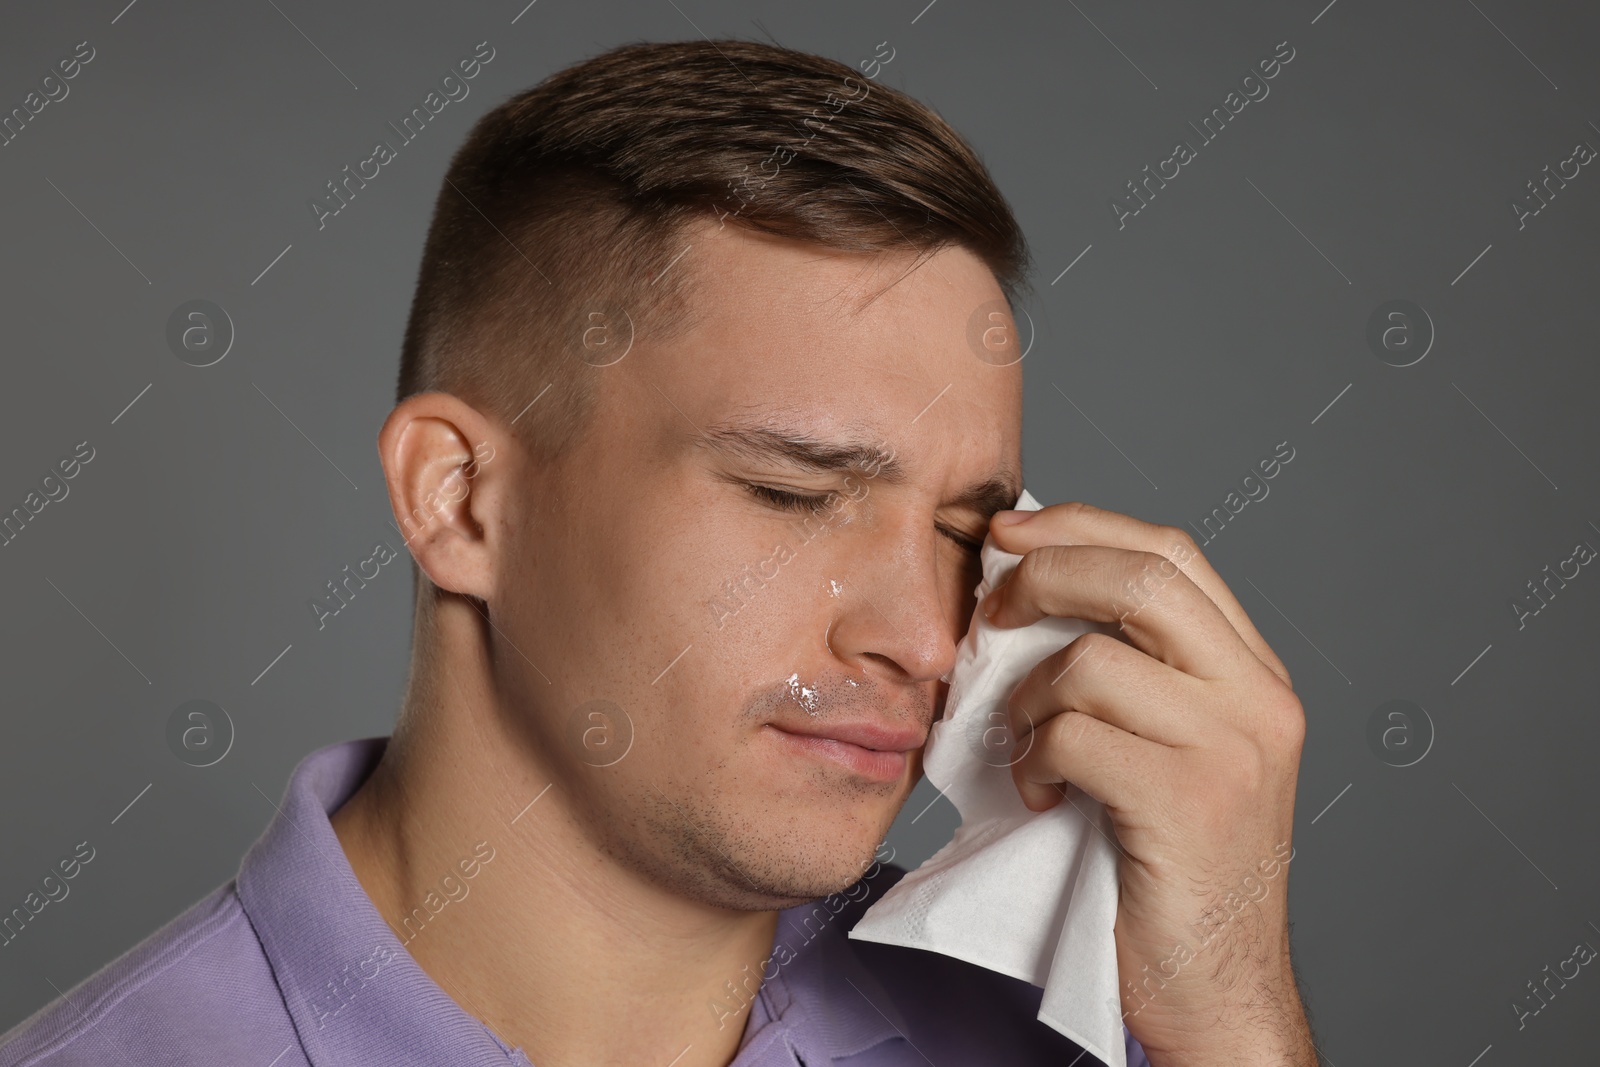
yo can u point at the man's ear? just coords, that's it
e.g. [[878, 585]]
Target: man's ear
[[437, 453]]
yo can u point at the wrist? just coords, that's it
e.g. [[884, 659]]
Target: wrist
[[1266, 1027]]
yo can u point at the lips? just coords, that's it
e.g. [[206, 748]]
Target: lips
[[876, 736], [882, 765], [863, 730]]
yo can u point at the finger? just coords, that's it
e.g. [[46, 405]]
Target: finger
[[1108, 763], [1171, 620], [1076, 522], [1116, 683]]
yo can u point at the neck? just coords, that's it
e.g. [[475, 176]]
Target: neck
[[486, 876]]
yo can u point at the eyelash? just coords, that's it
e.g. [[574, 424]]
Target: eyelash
[[815, 503]]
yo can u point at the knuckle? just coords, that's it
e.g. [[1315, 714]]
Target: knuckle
[[1281, 669], [1040, 566], [1248, 768], [1144, 576], [1020, 717], [1179, 542], [1287, 722], [1074, 509], [1027, 569], [1075, 658], [1139, 564], [1067, 731], [1093, 645]]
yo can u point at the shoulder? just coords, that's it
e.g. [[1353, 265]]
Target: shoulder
[[200, 987]]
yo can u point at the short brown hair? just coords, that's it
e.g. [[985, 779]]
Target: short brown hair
[[570, 197]]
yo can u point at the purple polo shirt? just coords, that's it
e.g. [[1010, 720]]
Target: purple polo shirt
[[291, 965]]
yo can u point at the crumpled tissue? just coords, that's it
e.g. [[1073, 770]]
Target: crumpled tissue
[[1028, 894]]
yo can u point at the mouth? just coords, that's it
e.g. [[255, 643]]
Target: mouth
[[879, 764]]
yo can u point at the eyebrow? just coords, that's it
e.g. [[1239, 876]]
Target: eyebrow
[[868, 459]]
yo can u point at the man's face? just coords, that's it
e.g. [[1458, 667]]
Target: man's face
[[696, 628]]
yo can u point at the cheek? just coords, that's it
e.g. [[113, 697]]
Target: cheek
[[759, 609], [621, 601]]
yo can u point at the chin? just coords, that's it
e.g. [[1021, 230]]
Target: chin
[[810, 887], [834, 865], [810, 867]]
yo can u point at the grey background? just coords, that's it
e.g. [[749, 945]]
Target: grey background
[[1177, 352]]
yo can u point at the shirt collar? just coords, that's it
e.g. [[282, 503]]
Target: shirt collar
[[354, 993], [823, 1003], [357, 996]]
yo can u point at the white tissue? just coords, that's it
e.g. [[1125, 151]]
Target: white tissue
[[1029, 894]]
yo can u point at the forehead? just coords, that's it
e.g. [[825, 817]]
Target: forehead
[[884, 344]]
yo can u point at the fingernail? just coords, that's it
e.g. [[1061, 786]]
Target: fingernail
[[990, 602], [1011, 518]]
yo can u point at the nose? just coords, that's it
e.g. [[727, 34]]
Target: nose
[[897, 615]]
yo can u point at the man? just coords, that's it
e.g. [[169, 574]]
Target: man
[[700, 429]]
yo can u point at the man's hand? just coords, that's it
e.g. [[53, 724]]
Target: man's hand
[[1185, 725]]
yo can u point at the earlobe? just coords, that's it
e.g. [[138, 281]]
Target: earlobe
[[443, 512]]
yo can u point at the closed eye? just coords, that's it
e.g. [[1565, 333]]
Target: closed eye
[[814, 503], [817, 503]]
